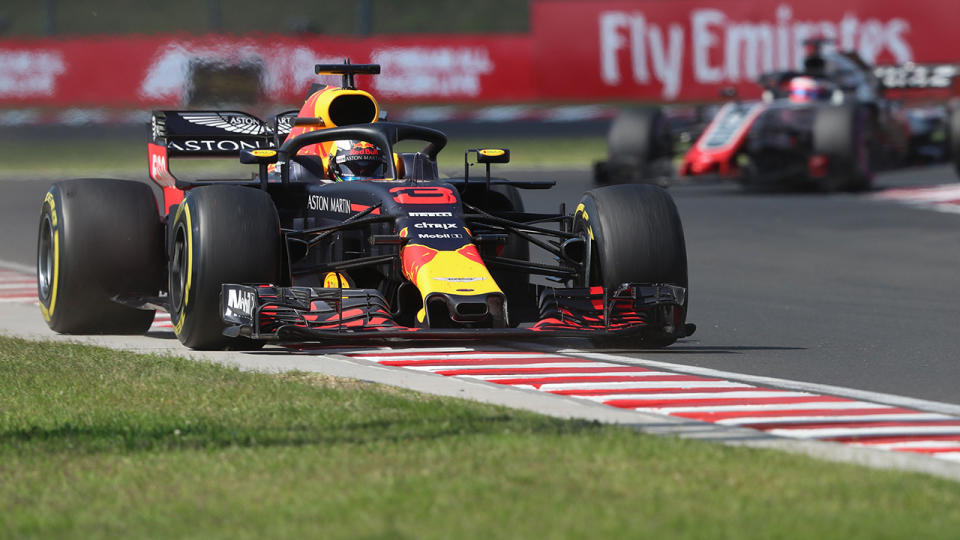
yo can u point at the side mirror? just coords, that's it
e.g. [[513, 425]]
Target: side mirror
[[250, 157], [262, 157], [493, 155], [485, 156]]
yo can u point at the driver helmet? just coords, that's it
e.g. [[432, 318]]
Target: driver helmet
[[806, 89], [356, 160]]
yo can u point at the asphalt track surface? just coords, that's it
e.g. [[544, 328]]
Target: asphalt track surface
[[837, 289], [847, 290]]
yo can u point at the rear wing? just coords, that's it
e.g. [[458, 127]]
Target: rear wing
[[207, 134], [912, 76]]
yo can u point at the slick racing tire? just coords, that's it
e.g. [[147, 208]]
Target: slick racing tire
[[637, 137], [637, 237], [840, 133], [219, 234], [98, 239], [601, 173], [953, 137]]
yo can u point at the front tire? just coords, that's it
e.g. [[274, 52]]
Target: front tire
[[636, 140], [98, 239], [219, 234], [637, 237], [953, 137], [840, 134]]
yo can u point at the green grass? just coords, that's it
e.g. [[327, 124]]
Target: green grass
[[72, 158], [528, 152], [113, 157], [96, 443]]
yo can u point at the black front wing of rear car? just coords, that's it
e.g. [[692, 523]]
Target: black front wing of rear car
[[309, 314]]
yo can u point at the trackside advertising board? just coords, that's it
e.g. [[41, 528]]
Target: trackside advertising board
[[157, 71], [689, 50], [680, 50]]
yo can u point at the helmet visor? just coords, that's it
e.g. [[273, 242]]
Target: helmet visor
[[361, 169], [359, 160]]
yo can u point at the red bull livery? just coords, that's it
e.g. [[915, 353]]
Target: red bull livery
[[338, 236]]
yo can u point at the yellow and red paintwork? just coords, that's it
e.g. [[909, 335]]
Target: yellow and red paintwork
[[318, 106], [458, 272]]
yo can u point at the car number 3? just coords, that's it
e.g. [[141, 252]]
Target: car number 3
[[423, 195]]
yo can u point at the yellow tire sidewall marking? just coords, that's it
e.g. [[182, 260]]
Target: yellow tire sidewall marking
[[48, 311], [582, 210], [186, 289]]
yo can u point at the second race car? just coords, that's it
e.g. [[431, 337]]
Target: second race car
[[829, 126]]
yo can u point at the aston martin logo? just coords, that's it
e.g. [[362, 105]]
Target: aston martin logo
[[284, 124], [234, 124]]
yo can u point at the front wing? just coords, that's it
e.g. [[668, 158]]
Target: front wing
[[310, 314]]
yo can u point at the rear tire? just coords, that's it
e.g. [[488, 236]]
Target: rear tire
[[954, 137], [637, 237], [98, 239], [637, 138], [840, 134], [219, 234]]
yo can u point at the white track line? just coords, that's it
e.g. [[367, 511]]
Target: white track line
[[758, 421], [18, 284], [930, 443], [367, 353], [759, 393], [768, 407], [466, 356], [904, 430], [636, 384], [458, 367], [946, 192], [522, 376], [25, 299]]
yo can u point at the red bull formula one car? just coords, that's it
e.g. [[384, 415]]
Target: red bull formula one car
[[339, 236]]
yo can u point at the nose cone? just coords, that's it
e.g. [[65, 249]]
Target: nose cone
[[456, 273], [701, 164]]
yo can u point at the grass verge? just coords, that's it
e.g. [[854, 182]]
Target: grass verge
[[97, 443]]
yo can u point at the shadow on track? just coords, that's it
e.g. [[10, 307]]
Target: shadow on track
[[682, 349]]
